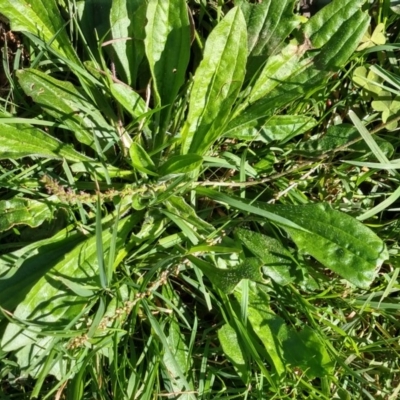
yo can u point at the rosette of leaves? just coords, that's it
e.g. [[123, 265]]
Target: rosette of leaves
[[132, 128]]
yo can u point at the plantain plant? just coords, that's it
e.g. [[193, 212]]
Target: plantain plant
[[141, 236]]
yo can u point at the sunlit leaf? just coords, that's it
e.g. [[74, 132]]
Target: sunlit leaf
[[269, 24], [217, 82], [127, 19], [178, 356], [181, 164], [19, 211], [18, 141], [277, 261], [367, 79], [49, 301], [230, 345], [167, 45], [387, 105], [41, 18], [141, 160], [62, 100], [336, 240], [286, 347], [375, 39]]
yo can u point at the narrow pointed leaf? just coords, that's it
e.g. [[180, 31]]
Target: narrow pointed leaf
[[128, 18], [269, 24], [49, 301], [259, 316], [319, 28], [285, 346], [141, 160], [167, 46], [41, 18], [277, 260], [23, 141], [230, 345], [217, 82], [181, 164], [64, 101], [242, 204], [178, 356], [298, 70], [336, 240]]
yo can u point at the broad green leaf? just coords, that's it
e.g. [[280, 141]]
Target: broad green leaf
[[277, 261], [307, 351], [21, 269], [167, 47], [227, 279], [343, 42], [217, 82], [265, 96], [49, 301], [336, 240], [127, 19], [230, 345], [181, 164], [295, 72], [141, 160], [320, 28], [178, 206], [335, 136], [31, 358], [18, 141], [65, 102], [129, 99], [284, 127], [277, 70], [19, 211], [177, 356], [339, 135], [255, 115], [259, 316], [243, 205], [41, 18], [286, 347], [269, 23]]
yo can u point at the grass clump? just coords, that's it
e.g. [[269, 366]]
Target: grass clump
[[199, 200]]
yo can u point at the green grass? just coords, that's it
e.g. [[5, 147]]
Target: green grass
[[202, 205]]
